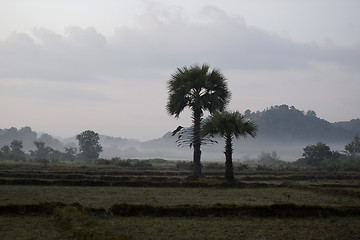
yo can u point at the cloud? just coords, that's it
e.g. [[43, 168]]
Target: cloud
[[85, 55], [52, 93]]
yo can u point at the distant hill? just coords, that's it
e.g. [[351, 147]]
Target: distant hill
[[283, 129], [284, 123], [352, 125]]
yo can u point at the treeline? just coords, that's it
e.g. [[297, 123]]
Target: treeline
[[315, 156], [42, 153], [89, 149], [321, 156], [27, 137], [288, 123]]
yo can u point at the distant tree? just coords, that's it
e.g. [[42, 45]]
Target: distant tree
[[16, 145], [5, 152], [353, 148], [228, 125], [41, 151], [247, 113], [55, 155], [51, 141], [16, 152], [89, 144], [315, 154], [266, 157], [25, 135], [70, 153], [271, 160], [201, 90], [311, 113]]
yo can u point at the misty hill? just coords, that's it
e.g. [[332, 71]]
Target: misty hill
[[284, 123], [352, 125], [283, 129]]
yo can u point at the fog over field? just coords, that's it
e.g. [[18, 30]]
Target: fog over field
[[244, 149]]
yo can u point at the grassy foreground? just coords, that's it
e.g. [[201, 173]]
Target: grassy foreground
[[119, 203], [105, 197], [236, 228], [45, 227]]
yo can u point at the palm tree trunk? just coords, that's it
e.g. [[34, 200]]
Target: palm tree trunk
[[197, 143], [229, 170]]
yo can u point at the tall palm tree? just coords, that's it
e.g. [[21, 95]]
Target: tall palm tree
[[199, 89], [228, 125]]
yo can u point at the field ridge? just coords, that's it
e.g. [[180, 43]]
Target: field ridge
[[280, 210]]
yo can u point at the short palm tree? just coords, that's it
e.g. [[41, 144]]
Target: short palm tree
[[228, 125], [201, 90]]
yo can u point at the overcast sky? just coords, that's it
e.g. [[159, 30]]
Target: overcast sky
[[70, 65]]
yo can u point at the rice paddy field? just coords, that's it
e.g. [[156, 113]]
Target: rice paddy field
[[70, 201]]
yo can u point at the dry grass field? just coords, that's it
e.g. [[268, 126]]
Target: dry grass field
[[92, 202]]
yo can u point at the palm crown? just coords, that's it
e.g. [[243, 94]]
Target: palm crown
[[229, 124], [198, 89]]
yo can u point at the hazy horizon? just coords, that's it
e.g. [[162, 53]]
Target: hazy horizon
[[69, 66], [160, 135]]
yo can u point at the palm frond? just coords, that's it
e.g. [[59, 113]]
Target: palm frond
[[228, 124], [176, 130], [185, 137]]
